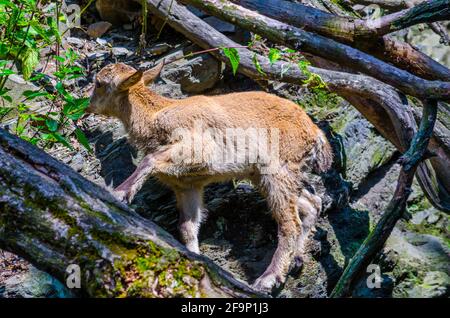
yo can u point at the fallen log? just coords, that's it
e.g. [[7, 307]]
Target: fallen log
[[355, 32], [300, 40], [54, 218], [378, 102], [346, 28]]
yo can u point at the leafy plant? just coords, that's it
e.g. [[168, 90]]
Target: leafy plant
[[233, 56], [28, 27]]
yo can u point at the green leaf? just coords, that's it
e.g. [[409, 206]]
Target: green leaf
[[233, 56], [6, 72], [81, 137], [62, 90], [30, 59], [30, 95], [75, 109], [60, 138], [37, 28], [53, 24], [3, 95], [274, 55], [20, 129], [7, 98], [52, 124], [37, 76], [6, 3], [59, 58], [5, 111], [257, 65]]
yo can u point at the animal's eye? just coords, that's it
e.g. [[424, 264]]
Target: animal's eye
[[98, 85]]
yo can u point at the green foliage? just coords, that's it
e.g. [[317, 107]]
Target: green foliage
[[257, 65], [233, 56], [29, 26], [274, 55]]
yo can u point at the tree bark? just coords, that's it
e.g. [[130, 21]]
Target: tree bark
[[358, 33], [53, 217], [300, 40]]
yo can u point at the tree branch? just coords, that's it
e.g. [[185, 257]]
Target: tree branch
[[392, 5], [298, 39], [425, 12], [356, 33]]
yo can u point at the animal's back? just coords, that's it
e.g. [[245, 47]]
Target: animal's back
[[298, 134]]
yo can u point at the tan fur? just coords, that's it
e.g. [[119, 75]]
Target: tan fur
[[151, 119]]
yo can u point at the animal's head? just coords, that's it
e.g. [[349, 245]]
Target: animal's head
[[114, 82]]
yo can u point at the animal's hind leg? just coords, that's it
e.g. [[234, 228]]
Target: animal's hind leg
[[280, 191], [309, 206], [190, 206]]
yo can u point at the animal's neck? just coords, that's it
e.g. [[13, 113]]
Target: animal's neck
[[139, 107]]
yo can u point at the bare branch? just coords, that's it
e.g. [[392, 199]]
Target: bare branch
[[353, 32]]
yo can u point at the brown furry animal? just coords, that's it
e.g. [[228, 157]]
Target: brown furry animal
[[180, 154]]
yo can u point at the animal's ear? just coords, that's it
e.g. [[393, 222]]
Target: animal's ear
[[130, 81], [151, 74]]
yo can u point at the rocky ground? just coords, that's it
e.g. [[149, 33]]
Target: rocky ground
[[239, 233]]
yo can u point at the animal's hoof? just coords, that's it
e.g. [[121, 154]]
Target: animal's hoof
[[268, 283], [122, 196], [193, 247]]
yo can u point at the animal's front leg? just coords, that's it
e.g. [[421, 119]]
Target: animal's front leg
[[190, 206], [150, 165]]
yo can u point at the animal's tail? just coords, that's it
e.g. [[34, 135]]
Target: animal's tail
[[322, 154]]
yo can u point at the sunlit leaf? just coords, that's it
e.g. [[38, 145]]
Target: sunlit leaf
[[233, 56], [274, 55], [30, 59], [257, 65], [81, 137]]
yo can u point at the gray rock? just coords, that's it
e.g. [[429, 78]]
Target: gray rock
[[17, 85], [77, 162], [434, 285], [98, 55], [194, 75], [127, 27], [433, 218], [365, 149], [33, 284], [121, 51], [76, 42], [159, 48], [101, 41], [420, 217]]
